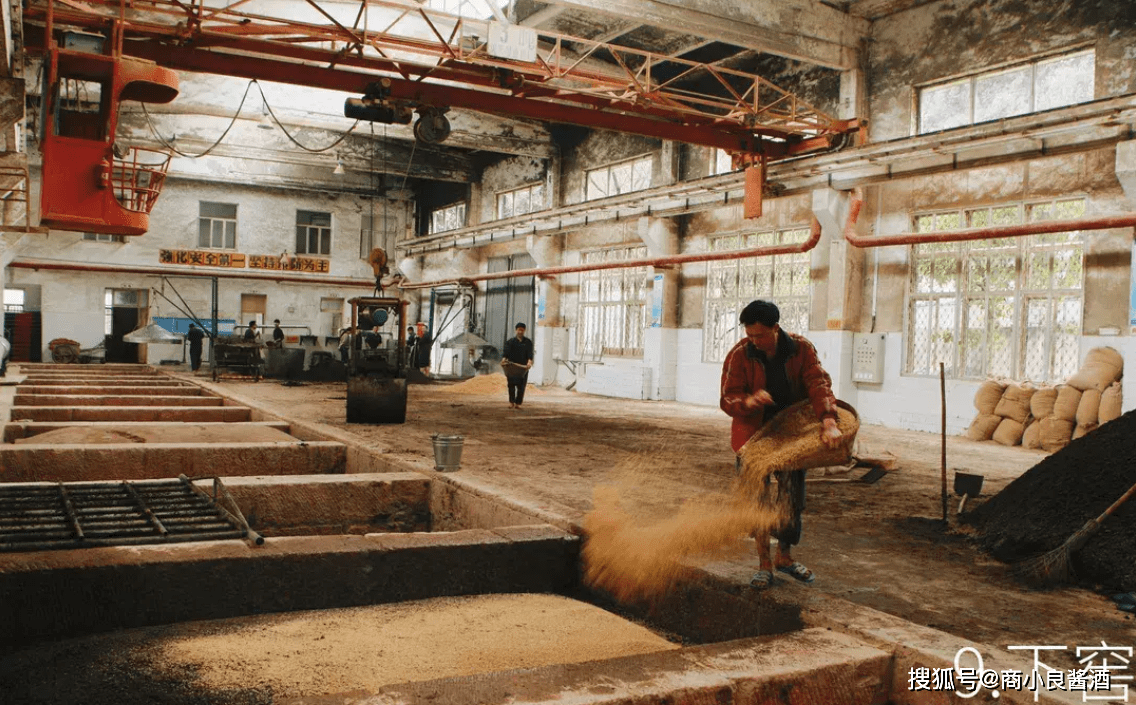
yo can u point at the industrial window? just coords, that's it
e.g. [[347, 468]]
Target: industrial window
[[613, 304], [313, 233], [528, 199], [722, 162], [217, 225], [448, 218], [614, 179], [14, 300], [1009, 307], [103, 237], [731, 284], [1030, 87]]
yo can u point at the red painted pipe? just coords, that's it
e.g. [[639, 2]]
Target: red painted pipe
[[1127, 220], [814, 238], [163, 272]]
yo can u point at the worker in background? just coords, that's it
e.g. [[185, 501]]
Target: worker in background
[[195, 336], [277, 335], [345, 337], [252, 333], [425, 344], [764, 373], [518, 351]]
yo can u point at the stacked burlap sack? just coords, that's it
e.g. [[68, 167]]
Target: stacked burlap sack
[[1049, 417]]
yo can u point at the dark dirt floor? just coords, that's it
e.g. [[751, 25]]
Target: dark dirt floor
[[881, 545]]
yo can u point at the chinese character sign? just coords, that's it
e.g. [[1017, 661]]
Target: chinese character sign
[[204, 258]]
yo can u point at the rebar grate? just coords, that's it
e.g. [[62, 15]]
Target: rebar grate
[[82, 514]]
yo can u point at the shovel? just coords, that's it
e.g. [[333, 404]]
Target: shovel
[[967, 485]]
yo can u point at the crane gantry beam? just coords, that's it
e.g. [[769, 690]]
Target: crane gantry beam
[[428, 58]]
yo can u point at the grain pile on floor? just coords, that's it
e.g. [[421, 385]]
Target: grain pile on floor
[[635, 556], [483, 384], [1041, 509], [173, 433], [268, 658]]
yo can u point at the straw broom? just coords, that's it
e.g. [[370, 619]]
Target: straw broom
[[1057, 565]]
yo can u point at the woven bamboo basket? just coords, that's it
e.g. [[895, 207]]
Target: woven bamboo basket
[[791, 441]]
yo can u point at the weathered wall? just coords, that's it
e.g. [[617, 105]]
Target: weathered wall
[[599, 149], [955, 37], [509, 174], [819, 87], [889, 207]]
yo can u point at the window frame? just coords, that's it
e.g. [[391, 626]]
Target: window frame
[[441, 212], [511, 194], [590, 176], [633, 308], [971, 297], [972, 80], [103, 237], [214, 221], [715, 347], [322, 236]]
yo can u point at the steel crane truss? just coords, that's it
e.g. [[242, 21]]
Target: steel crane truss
[[423, 53]]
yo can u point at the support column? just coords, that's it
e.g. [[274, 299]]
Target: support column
[[660, 339], [411, 268], [842, 309], [1126, 175], [550, 336]]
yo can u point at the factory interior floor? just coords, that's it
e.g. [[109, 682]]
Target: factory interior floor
[[881, 545], [878, 545]]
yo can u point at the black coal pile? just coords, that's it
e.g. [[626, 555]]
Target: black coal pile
[[1041, 509]]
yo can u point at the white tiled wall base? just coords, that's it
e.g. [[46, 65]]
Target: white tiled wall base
[[617, 379]]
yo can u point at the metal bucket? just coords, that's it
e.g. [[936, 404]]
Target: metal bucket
[[447, 452]]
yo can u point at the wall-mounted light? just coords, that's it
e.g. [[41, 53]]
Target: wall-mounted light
[[339, 170]]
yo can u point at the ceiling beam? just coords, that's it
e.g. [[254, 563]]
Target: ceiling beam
[[690, 46], [544, 15], [875, 9], [615, 33], [804, 30]]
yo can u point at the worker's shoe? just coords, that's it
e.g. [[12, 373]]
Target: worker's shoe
[[761, 579], [797, 571]]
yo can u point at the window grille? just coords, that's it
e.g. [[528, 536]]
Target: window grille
[[103, 237], [613, 304], [731, 284], [1009, 307]]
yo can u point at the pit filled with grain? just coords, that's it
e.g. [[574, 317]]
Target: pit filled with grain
[[265, 658]]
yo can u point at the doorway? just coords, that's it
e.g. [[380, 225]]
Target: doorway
[[509, 301], [126, 310]]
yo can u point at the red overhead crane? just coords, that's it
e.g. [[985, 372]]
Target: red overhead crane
[[428, 62]]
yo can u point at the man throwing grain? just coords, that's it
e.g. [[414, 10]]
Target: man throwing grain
[[764, 373]]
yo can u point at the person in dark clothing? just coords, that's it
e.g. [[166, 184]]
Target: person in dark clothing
[[517, 359], [278, 334], [252, 333], [425, 343], [763, 374], [195, 336]]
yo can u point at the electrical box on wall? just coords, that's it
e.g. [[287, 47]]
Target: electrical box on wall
[[559, 343], [868, 358]]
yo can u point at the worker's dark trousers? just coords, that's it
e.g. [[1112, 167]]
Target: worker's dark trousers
[[517, 388], [791, 495], [195, 358]]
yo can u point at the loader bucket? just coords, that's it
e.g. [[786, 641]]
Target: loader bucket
[[376, 399]]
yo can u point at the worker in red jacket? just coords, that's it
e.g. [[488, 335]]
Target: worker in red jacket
[[763, 374]]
